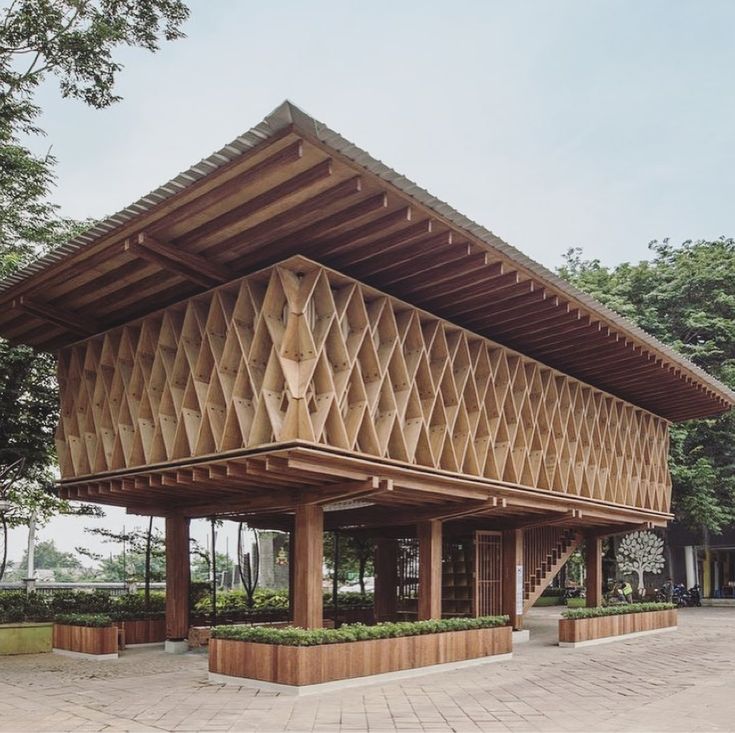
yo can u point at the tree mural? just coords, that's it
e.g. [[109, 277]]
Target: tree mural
[[641, 552]]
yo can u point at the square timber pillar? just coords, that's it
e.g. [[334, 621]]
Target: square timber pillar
[[385, 561], [308, 556], [513, 577], [430, 569], [177, 584], [593, 563]]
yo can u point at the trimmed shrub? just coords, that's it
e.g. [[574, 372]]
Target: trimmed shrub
[[17, 606], [623, 608], [353, 632], [94, 620]]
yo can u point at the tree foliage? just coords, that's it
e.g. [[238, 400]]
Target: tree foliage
[[685, 296], [74, 42]]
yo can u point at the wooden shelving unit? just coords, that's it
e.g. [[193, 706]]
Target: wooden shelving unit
[[458, 577]]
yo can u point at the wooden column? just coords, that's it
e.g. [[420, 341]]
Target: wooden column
[[430, 569], [308, 556], [386, 579], [291, 540], [177, 578], [593, 570], [513, 576]]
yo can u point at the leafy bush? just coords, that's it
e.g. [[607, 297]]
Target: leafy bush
[[132, 607], [353, 632], [350, 599], [267, 600], [623, 608], [95, 620], [79, 601], [17, 606]]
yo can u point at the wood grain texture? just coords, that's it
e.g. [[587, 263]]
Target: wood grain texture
[[512, 557], [586, 629], [86, 639], [593, 562], [300, 352], [430, 570], [143, 631], [291, 665], [177, 578], [308, 599]]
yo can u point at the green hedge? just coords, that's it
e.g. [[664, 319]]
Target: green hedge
[[95, 620], [623, 608], [17, 606], [266, 600], [352, 632]]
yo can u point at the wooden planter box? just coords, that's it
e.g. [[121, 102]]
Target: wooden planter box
[[143, 631], [87, 640], [313, 665], [577, 632], [25, 638]]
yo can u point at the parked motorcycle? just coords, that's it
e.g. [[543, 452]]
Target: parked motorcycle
[[695, 596]]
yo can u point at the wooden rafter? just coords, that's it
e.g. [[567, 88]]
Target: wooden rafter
[[82, 325], [191, 266]]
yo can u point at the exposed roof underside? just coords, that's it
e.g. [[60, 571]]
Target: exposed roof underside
[[293, 186]]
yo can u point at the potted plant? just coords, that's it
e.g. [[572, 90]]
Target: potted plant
[[583, 626], [295, 658], [85, 634]]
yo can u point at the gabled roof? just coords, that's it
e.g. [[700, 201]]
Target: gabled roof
[[291, 185]]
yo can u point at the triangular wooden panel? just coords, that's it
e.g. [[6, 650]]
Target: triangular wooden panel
[[300, 352]]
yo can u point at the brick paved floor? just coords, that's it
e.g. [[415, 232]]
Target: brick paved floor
[[681, 681]]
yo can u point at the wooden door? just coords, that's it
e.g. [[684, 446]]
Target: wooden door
[[488, 574]]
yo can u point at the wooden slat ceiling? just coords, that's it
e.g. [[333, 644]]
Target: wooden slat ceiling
[[294, 194]]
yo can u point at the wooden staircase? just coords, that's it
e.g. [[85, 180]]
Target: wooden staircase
[[545, 550]]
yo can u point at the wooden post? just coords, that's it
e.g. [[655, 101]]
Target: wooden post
[[386, 579], [308, 556], [513, 578], [430, 569], [177, 578], [291, 541], [593, 570]]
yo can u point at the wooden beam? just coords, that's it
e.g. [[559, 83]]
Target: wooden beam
[[430, 570], [593, 562], [299, 182], [550, 519], [75, 322], [512, 576], [193, 267]]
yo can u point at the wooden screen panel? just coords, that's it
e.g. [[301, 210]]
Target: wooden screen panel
[[301, 352], [408, 577], [488, 597]]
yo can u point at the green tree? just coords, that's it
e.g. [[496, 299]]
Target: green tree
[[142, 556], [355, 558], [74, 42], [66, 565], [685, 296]]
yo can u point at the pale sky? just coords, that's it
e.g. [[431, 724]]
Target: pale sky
[[599, 125]]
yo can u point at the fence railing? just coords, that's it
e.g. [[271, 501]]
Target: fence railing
[[49, 588]]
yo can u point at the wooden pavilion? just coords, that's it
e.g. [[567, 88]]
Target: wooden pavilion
[[292, 334]]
